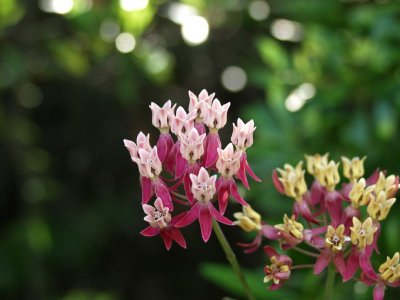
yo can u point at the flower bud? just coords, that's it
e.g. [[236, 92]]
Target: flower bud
[[353, 169], [192, 147], [291, 226], [293, 181], [313, 162], [203, 186], [390, 270], [379, 206], [242, 135], [228, 163], [327, 175], [161, 115], [215, 115], [249, 220]]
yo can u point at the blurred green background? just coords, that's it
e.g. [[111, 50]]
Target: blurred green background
[[77, 76]]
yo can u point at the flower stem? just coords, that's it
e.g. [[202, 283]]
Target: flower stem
[[329, 284], [308, 253], [230, 255], [302, 266]]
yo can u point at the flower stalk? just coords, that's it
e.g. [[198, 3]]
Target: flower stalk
[[231, 257], [330, 283]]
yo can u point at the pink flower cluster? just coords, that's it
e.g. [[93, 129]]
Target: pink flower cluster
[[338, 226], [185, 162]]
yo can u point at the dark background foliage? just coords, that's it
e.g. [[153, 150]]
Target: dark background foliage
[[70, 210]]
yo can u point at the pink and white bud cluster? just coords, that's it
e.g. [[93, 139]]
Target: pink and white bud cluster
[[189, 155]]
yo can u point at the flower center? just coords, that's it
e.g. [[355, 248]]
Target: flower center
[[202, 185]]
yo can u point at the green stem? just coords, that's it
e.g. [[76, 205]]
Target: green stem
[[230, 255], [305, 252], [329, 284]]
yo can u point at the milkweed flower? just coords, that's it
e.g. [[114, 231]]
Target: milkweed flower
[[389, 275], [242, 138], [279, 269], [228, 165], [203, 189], [161, 223], [333, 251]]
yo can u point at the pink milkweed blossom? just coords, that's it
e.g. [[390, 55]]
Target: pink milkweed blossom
[[192, 147], [161, 119], [161, 115], [242, 138], [150, 167], [228, 165], [142, 142], [161, 223], [279, 269], [203, 189], [215, 115], [182, 122], [197, 104]]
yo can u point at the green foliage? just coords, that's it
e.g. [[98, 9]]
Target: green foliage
[[70, 210]]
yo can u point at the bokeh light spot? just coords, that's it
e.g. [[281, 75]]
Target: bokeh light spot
[[125, 42], [259, 10], [178, 12], [57, 6], [298, 97], [286, 30], [234, 78], [131, 5], [30, 96], [195, 30], [109, 29]]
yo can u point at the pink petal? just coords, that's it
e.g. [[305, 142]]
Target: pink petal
[[333, 202], [218, 216], [177, 236], [250, 171], [150, 231], [270, 232], [366, 267], [339, 263], [190, 216], [291, 240], [277, 183], [205, 220], [274, 286], [187, 185], [162, 191], [253, 246], [241, 174], [379, 291], [235, 193], [317, 193], [395, 284], [146, 189], [167, 240], [373, 178], [162, 147], [301, 208], [201, 129], [282, 275], [352, 265], [322, 262], [169, 161], [212, 143], [270, 251], [180, 165], [223, 195], [148, 209]]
